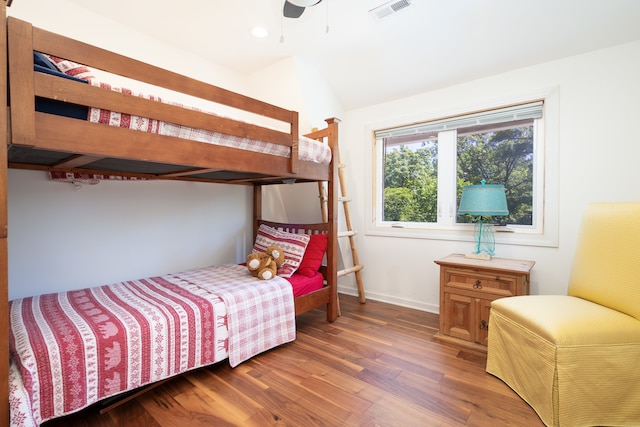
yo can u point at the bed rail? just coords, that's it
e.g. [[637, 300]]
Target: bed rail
[[4, 275]]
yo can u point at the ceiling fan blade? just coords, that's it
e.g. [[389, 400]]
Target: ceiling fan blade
[[290, 10]]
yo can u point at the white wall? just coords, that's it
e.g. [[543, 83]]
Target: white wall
[[598, 151], [64, 238], [294, 84]]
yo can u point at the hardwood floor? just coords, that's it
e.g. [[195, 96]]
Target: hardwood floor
[[378, 365]]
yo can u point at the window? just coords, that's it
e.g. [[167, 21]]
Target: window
[[420, 169], [501, 153]]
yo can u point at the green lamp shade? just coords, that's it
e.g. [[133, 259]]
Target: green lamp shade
[[483, 200]]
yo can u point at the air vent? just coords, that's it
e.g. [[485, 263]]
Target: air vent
[[389, 8]]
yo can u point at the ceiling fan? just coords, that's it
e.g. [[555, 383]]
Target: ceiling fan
[[294, 8]]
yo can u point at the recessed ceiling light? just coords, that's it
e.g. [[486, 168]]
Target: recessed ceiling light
[[259, 32]]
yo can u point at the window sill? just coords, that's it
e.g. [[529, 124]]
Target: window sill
[[464, 234]]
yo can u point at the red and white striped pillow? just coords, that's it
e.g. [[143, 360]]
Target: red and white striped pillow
[[293, 246]]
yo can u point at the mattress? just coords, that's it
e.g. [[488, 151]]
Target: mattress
[[71, 349], [303, 285], [308, 149]]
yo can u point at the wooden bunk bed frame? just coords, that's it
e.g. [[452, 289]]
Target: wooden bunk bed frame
[[46, 142]]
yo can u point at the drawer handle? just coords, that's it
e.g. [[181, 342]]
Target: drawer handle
[[484, 325], [478, 284]]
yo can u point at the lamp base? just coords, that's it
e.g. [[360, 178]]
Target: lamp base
[[481, 255]]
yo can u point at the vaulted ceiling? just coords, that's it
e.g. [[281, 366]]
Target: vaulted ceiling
[[425, 46]]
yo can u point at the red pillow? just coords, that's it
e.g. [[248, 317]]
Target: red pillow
[[313, 256]]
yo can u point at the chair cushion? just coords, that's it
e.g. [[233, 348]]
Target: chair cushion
[[569, 321], [573, 361]]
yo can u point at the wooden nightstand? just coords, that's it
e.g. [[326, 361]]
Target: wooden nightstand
[[467, 287]]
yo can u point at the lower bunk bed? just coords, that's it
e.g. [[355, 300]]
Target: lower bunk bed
[[72, 349]]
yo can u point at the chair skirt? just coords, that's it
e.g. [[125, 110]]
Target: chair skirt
[[576, 363]]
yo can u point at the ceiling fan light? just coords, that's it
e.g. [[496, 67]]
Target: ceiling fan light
[[259, 32]]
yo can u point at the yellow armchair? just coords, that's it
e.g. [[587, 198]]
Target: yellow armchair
[[576, 358]]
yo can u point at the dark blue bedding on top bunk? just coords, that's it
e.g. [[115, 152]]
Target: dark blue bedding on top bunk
[[43, 65]]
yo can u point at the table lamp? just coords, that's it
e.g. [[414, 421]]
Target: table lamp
[[484, 200]]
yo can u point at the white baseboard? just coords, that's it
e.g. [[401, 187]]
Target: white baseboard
[[402, 302]]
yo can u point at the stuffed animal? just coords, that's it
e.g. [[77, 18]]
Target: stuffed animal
[[264, 265], [276, 253]]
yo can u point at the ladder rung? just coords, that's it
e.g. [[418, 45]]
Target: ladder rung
[[350, 270], [347, 233], [341, 166], [344, 199]]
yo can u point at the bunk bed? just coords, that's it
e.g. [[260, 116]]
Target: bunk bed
[[39, 138]]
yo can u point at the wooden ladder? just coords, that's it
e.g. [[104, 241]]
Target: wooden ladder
[[350, 232]]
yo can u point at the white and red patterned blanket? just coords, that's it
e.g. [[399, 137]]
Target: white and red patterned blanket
[[260, 313], [308, 149], [74, 348]]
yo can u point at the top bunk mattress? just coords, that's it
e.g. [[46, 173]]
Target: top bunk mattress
[[309, 149]]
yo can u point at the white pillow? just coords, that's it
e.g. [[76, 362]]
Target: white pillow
[[293, 246]]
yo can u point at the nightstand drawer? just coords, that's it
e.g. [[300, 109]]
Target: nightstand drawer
[[473, 280]]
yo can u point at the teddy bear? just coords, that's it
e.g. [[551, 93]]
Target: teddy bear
[[264, 265]]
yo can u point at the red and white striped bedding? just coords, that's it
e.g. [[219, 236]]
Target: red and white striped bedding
[[308, 149], [71, 349]]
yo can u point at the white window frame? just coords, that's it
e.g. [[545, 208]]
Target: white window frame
[[544, 232]]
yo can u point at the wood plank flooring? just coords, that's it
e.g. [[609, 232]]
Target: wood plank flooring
[[378, 365]]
